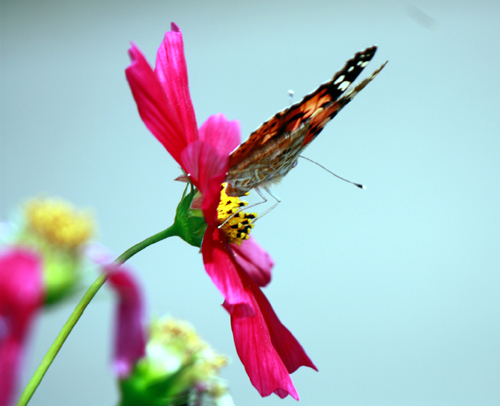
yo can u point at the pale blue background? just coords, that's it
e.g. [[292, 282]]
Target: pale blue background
[[393, 291]]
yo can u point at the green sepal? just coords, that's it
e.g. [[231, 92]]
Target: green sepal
[[189, 223], [61, 275], [144, 390]]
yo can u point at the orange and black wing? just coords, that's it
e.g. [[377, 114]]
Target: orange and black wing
[[316, 109]]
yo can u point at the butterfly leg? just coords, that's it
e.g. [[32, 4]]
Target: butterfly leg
[[264, 200], [246, 207], [278, 201]]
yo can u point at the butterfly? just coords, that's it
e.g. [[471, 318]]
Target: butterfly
[[273, 149]]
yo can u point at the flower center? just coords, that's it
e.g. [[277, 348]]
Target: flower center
[[235, 223], [59, 223]]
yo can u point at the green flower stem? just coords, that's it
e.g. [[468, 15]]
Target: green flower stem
[[79, 309]]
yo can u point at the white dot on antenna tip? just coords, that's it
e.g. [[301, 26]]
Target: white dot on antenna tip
[[291, 92]]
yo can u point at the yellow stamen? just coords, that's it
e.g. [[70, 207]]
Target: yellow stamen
[[235, 224], [59, 223]]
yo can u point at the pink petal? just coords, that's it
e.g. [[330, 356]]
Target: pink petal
[[171, 71], [21, 295], [222, 134], [287, 346], [155, 109], [256, 262], [266, 347], [130, 337], [11, 354], [207, 160], [220, 266], [262, 364], [207, 170]]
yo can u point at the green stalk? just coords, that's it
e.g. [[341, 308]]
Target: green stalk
[[79, 309]]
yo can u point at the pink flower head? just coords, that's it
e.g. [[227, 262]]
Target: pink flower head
[[21, 295], [266, 348]]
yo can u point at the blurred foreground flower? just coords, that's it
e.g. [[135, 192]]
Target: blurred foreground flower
[[59, 232], [39, 264], [21, 295], [237, 265], [175, 367], [178, 366], [130, 335]]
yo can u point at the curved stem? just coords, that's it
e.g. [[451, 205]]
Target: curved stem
[[78, 311]]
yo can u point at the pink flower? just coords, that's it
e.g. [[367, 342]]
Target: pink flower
[[130, 328], [267, 349], [130, 336], [21, 295]]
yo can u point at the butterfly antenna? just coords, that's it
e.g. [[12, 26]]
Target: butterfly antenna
[[361, 186], [290, 96]]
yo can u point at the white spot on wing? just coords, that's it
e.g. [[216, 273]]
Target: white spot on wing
[[339, 79], [344, 85]]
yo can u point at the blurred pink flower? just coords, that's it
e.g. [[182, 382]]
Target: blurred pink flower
[[130, 319], [267, 349], [130, 336], [21, 295]]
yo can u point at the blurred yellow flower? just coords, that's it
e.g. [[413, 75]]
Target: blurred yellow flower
[[59, 223]]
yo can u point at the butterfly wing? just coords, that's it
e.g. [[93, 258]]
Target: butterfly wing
[[298, 114], [273, 149]]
